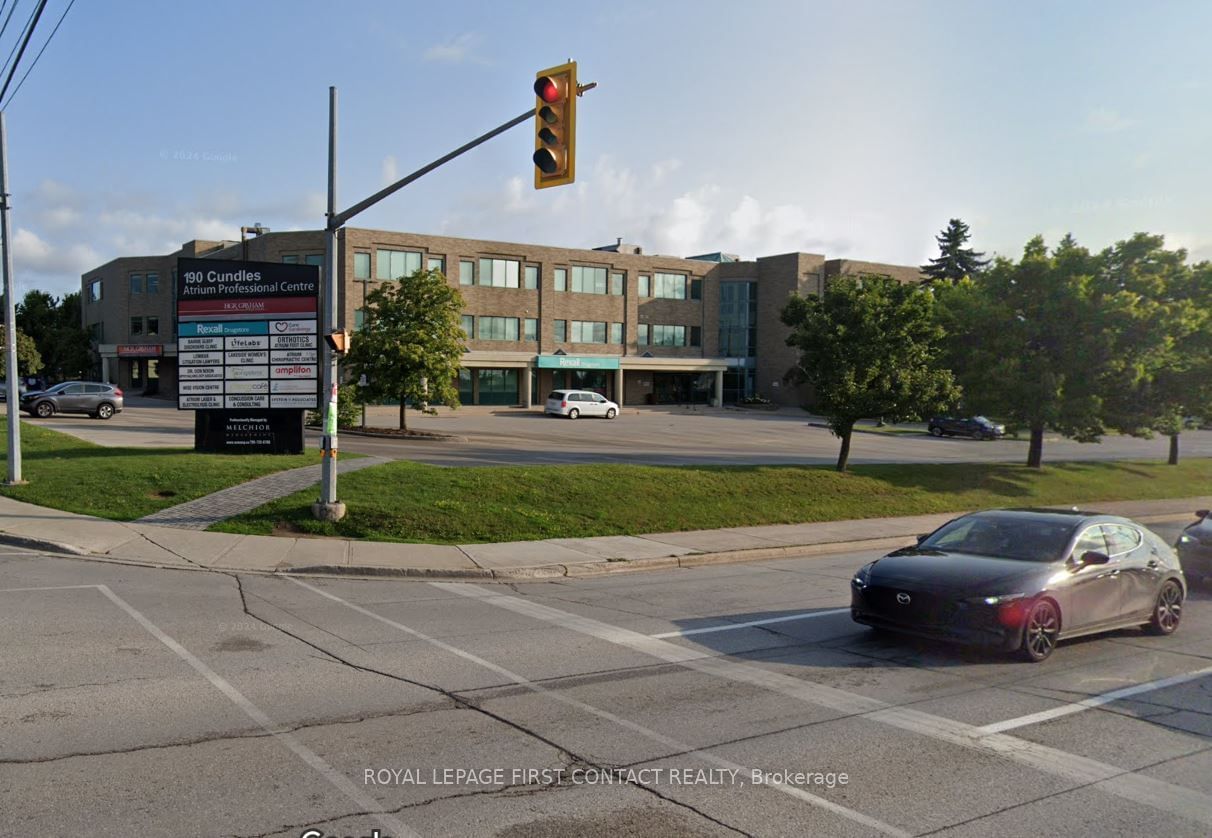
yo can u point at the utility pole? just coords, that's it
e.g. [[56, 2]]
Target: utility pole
[[12, 381]]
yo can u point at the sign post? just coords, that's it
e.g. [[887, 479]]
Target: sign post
[[247, 353]]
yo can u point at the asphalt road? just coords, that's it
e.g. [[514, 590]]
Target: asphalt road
[[675, 436], [139, 701]]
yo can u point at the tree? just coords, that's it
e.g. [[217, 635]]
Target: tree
[[411, 342], [1031, 343], [868, 348], [954, 261], [28, 359], [54, 325]]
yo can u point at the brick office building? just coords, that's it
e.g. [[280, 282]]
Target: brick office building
[[639, 328]]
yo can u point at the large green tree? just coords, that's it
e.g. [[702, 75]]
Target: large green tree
[[954, 261], [411, 342], [869, 347], [54, 324], [28, 359], [1031, 342]]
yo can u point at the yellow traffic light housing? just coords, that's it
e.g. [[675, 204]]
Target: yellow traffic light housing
[[338, 341], [555, 126]]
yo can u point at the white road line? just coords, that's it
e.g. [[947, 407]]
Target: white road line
[[732, 626], [1177, 800], [50, 588], [660, 738], [368, 804], [1094, 701]]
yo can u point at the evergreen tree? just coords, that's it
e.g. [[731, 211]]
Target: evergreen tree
[[954, 261]]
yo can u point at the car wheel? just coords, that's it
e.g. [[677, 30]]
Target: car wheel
[[611, 413], [105, 411], [1169, 609], [1040, 630], [936, 431], [574, 413], [44, 410]]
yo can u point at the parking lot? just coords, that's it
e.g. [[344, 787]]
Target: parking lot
[[643, 435], [731, 700]]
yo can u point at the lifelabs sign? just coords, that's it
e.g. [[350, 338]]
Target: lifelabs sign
[[230, 316]]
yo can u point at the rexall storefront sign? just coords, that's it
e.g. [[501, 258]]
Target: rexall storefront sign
[[578, 362]]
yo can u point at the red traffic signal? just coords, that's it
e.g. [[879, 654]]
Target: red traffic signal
[[554, 157]]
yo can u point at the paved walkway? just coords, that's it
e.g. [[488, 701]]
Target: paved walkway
[[200, 513], [160, 546]]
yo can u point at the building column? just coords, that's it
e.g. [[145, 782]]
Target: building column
[[527, 379], [719, 388], [618, 386], [105, 369]]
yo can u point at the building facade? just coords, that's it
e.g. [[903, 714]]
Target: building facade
[[638, 328]]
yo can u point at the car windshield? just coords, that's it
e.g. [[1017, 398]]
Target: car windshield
[[1021, 539], [982, 420]]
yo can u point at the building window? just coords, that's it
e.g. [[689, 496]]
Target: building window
[[316, 259], [738, 319], [96, 332], [396, 264], [497, 386], [696, 335], [617, 282], [152, 283], [361, 266], [645, 285], [499, 273], [561, 279], [669, 286], [153, 325], [531, 277], [290, 260], [559, 331], [641, 334], [468, 322], [436, 263], [359, 319], [668, 335], [136, 283], [696, 289], [467, 272], [588, 331], [531, 329], [589, 280], [136, 326], [616, 332], [498, 328]]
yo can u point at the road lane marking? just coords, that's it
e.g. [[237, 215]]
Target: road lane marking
[[635, 727], [731, 626], [1094, 701], [49, 588], [343, 784], [1177, 800]]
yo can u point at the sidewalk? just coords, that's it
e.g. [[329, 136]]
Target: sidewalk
[[27, 525]]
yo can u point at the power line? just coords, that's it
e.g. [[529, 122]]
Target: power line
[[17, 89], [17, 42], [10, 15], [29, 33]]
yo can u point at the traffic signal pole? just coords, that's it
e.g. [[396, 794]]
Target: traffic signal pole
[[328, 508], [12, 379]]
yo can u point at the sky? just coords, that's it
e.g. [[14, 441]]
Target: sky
[[853, 129]]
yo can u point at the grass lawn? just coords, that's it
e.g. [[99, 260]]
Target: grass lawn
[[65, 472], [403, 501]]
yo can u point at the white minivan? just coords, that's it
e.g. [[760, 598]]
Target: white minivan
[[574, 403]]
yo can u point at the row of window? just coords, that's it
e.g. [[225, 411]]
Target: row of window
[[144, 326], [141, 283], [573, 331], [652, 334]]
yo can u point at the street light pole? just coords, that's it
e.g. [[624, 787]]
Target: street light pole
[[12, 382], [328, 508]]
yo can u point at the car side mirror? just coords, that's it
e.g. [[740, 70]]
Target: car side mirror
[[1093, 557], [922, 538], [1202, 513]]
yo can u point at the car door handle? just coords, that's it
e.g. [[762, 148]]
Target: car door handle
[[1153, 564]]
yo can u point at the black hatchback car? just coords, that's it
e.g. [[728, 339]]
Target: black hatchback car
[[1195, 547], [977, 427], [1024, 579]]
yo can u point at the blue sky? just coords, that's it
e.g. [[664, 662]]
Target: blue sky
[[854, 129]]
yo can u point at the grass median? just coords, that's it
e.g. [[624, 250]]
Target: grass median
[[412, 502], [122, 484]]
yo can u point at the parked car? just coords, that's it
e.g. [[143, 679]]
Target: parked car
[[1195, 547], [1024, 579], [101, 401], [574, 403], [4, 390], [977, 427]]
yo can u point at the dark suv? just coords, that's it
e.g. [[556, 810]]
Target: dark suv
[[977, 427], [101, 401]]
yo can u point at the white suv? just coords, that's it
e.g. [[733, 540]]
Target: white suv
[[574, 403]]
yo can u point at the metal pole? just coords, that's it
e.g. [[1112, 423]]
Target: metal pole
[[12, 382], [329, 509]]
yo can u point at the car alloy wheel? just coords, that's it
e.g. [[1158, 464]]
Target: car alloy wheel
[[45, 410], [611, 413], [1168, 611], [936, 431], [574, 413], [1040, 631], [105, 411]]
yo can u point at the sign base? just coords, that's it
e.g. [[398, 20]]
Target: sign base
[[248, 431]]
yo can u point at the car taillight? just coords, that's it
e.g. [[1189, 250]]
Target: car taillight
[[118, 392], [563, 404]]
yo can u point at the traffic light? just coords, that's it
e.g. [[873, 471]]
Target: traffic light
[[555, 126], [338, 341]]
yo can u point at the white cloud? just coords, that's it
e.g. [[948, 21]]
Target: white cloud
[[390, 170], [40, 264], [457, 50], [1107, 121]]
